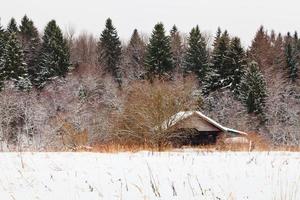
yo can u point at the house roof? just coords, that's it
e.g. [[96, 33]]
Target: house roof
[[185, 114]]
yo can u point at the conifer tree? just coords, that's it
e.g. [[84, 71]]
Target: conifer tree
[[159, 57], [176, 49], [292, 56], [12, 26], [2, 49], [294, 72], [253, 90], [109, 50], [260, 49], [278, 52], [135, 54], [220, 56], [220, 67], [54, 56], [196, 58], [14, 67], [217, 38], [30, 42], [237, 63]]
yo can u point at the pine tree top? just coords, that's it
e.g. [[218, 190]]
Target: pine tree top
[[109, 29], [159, 56], [196, 57], [109, 37], [174, 30], [12, 26], [27, 28], [135, 39], [52, 35]]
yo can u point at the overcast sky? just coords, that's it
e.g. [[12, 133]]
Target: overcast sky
[[240, 17]]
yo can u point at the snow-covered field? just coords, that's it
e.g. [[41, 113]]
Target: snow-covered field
[[144, 175]]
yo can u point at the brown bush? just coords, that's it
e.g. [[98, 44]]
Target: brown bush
[[148, 105], [71, 136]]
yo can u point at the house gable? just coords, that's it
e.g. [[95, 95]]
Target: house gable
[[194, 121]]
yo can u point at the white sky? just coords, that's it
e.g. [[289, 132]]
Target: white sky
[[240, 17]]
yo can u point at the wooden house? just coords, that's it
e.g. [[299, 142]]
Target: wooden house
[[194, 128]]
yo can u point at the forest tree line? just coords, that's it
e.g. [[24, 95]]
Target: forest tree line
[[263, 79]]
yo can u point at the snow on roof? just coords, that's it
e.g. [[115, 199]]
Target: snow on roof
[[185, 114]]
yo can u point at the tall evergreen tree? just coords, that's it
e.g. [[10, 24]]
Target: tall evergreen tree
[[176, 49], [159, 57], [2, 49], [109, 50], [278, 52], [253, 90], [196, 58], [30, 42], [12, 26], [54, 56], [292, 56], [135, 53], [260, 50], [220, 66], [217, 37], [14, 67], [237, 63], [220, 56]]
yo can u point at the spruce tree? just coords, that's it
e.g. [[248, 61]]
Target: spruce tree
[[253, 90], [159, 57], [220, 66], [135, 53], [53, 60], [292, 56], [109, 50], [12, 26], [260, 50], [2, 49], [294, 71], [14, 67], [278, 52], [30, 42], [220, 56], [176, 49], [217, 37], [237, 63], [196, 58]]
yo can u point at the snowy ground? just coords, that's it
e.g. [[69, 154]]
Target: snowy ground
[[167, 176]]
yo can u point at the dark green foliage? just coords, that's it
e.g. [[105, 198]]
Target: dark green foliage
[[109, 50], [196, 57], [236, 63], [14, 67], [54, 56], [176, 49], [159, 57], [12, 26], [220, 66], [30, 42], [292, 55], [220, 56], [253, 90], [2, 48], [217, 38]]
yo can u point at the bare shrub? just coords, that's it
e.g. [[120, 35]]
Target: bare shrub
[[147, 105], [71, 136], [17, 115]]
